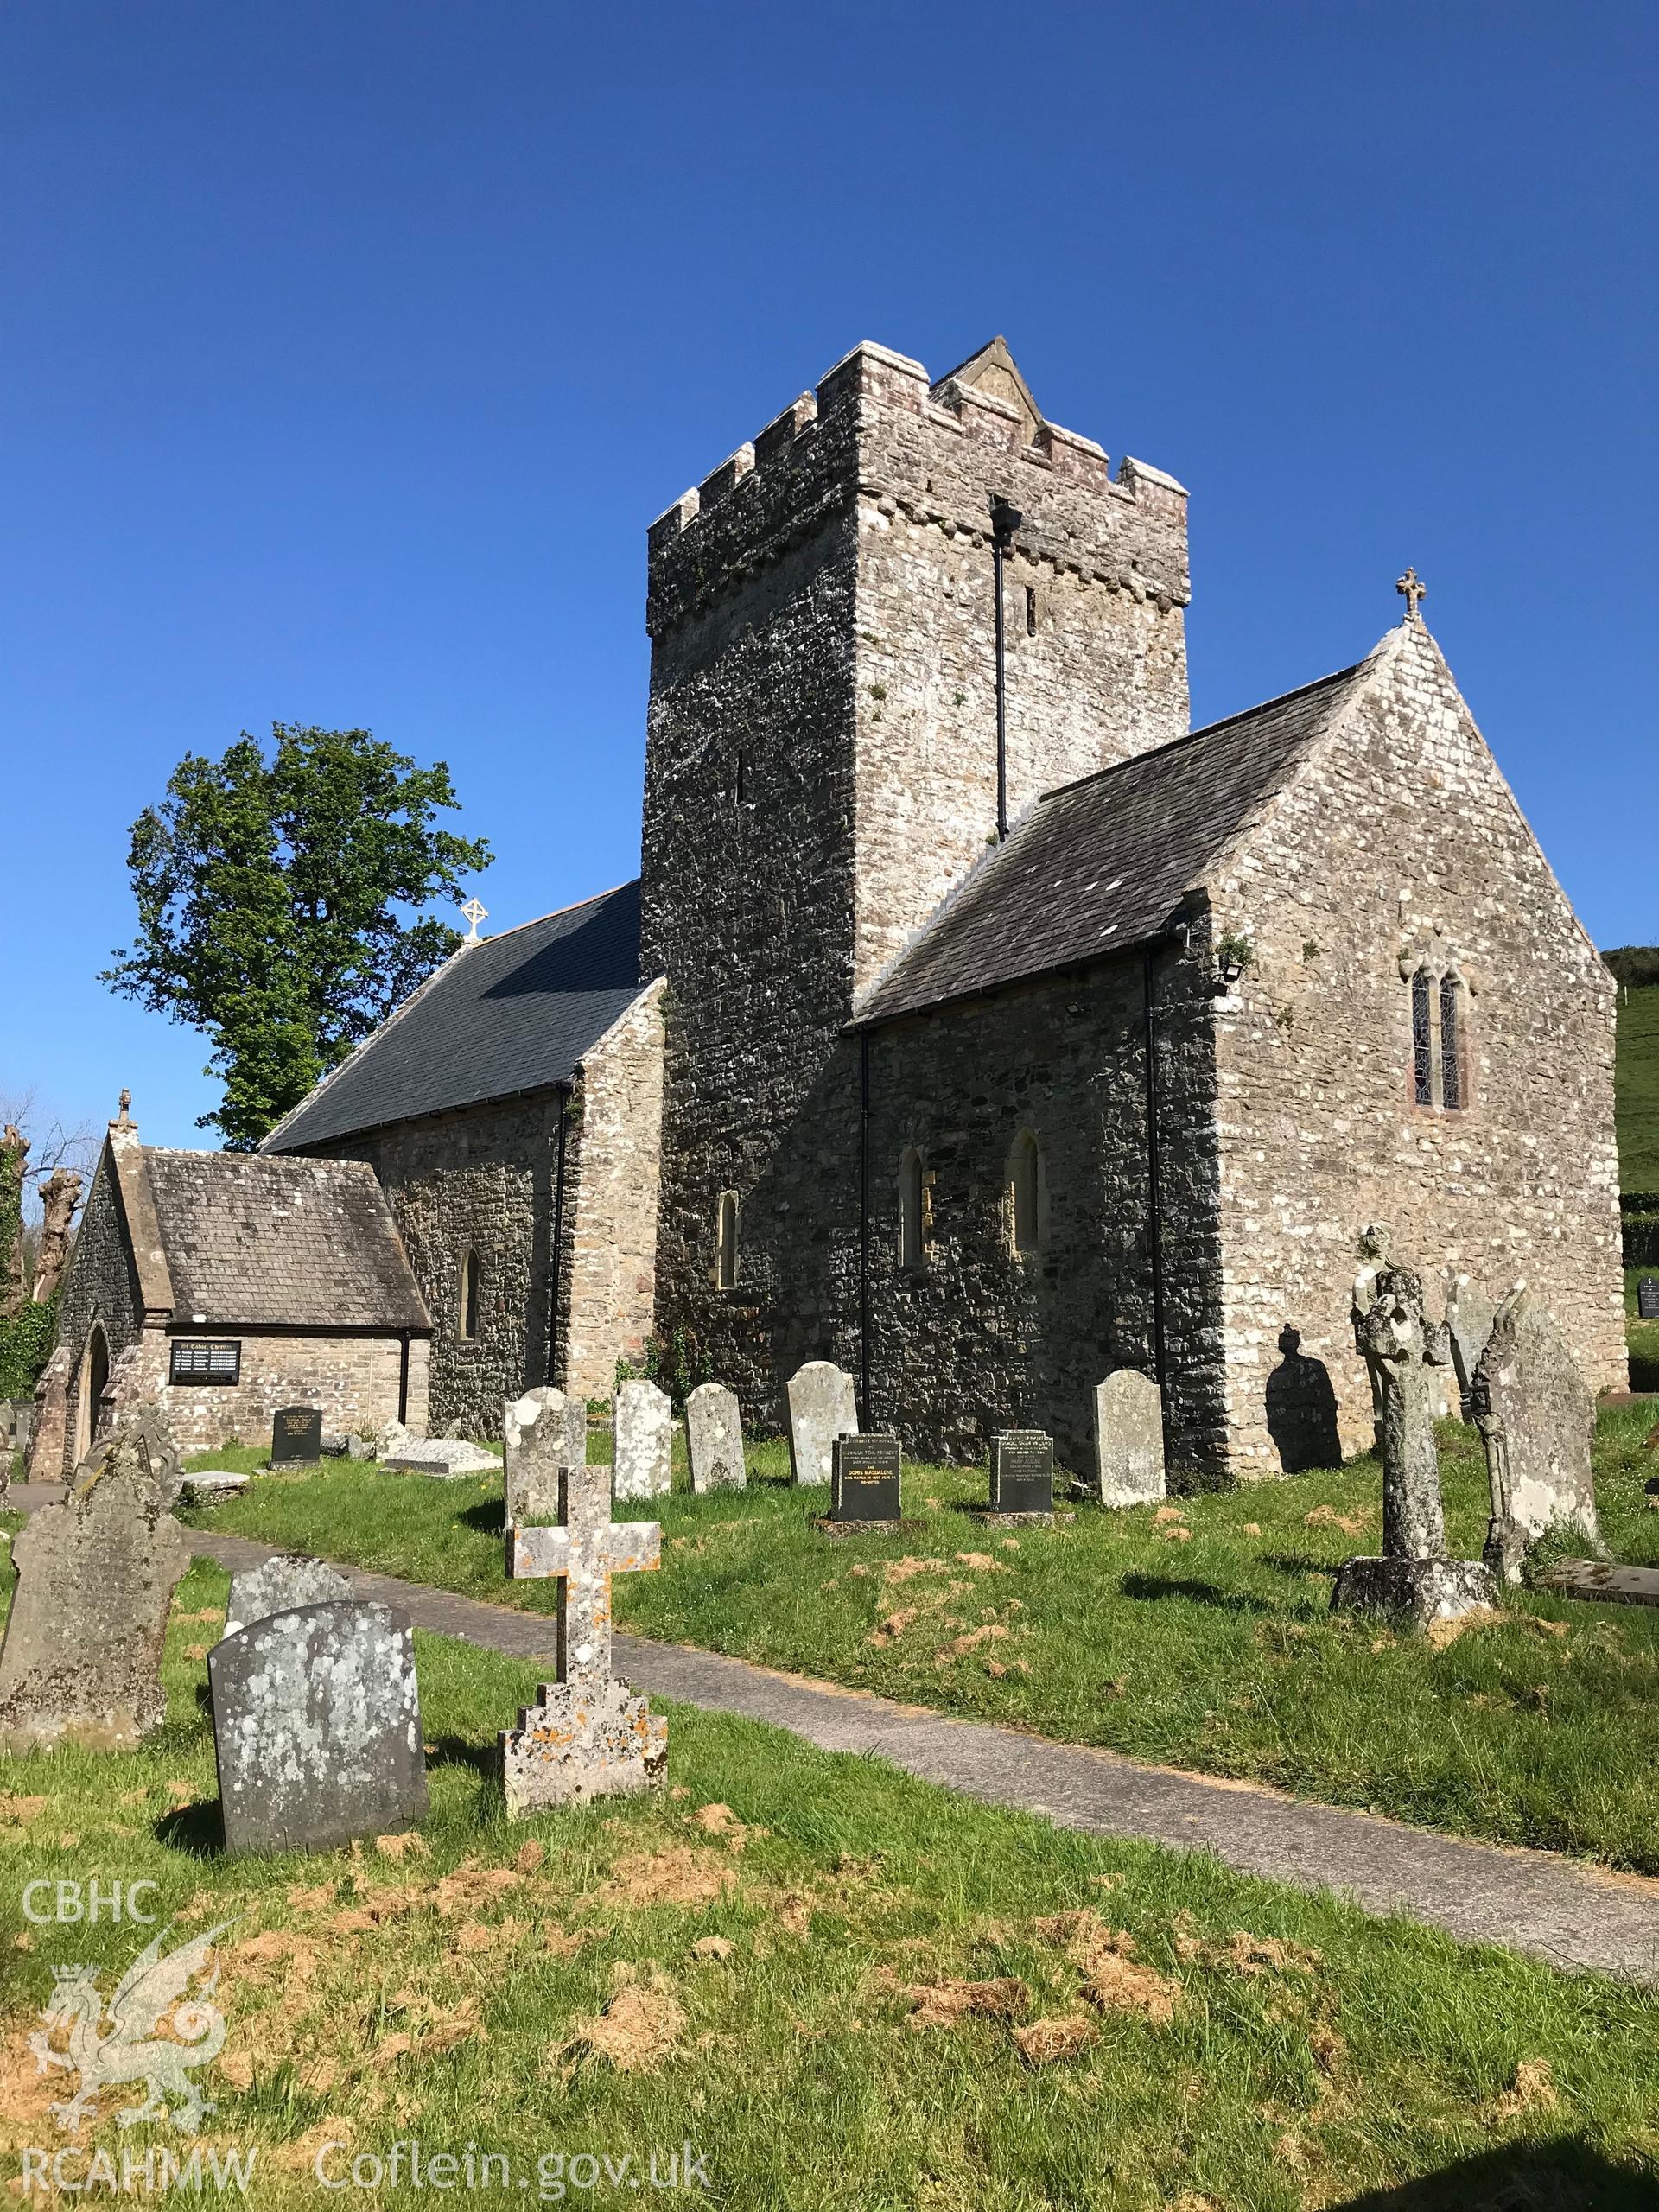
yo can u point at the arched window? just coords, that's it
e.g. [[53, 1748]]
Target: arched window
[[468, 1328], [726, 1241], [1454, 1086], [94, 1381], [912, 1235], [1026, 1193], [1422, 1057]]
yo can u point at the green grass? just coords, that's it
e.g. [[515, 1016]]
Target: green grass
[[1218, 1653], [1637, 1088], [1309, 2052]]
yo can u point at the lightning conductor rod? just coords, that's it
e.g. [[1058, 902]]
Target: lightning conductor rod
[[1006, 518]]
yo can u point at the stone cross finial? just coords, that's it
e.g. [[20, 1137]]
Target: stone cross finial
[[122, 1104], [587, 1548], [474, 913], [1412, 591]]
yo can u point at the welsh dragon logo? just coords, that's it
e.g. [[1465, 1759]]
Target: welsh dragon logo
[[130, 2049]]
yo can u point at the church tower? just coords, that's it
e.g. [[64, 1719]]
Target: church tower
[[822, 770]]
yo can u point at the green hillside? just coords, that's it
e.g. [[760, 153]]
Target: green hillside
[[1637, 1077]]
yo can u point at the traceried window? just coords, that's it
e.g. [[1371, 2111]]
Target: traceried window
[[195, 1361], [1422, 1054], [468, 1318], [1453, 1084], [913, 1231], [1026, 1193], [726, 1241]]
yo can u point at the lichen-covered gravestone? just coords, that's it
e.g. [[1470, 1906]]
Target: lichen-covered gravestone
[[1468, 1317], [1413, 1578], [544, 1432], [317, 1727], [1537, 1420], [714, 1439], [1128, 1440], [447, 1457], [822, 1407], [278, 1585], [588, 1735], [642, 1439], [96, 1572]]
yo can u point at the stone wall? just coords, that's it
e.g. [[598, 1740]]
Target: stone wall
[[613, 1166], [975, 1336], [102, 1282], [1402, 845], [821, 769], [479, 1180]]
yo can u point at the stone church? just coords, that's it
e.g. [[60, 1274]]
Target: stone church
[[974, 1022]]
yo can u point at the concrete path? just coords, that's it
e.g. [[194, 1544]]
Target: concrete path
[[1571, 1915]]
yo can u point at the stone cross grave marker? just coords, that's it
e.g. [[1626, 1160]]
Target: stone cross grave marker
[[280, 1584], [543, 1433], [295, 1437], [1537, 1419], [587, 1736], [95, 1572], [822, 1407], [714, 1439], [642, 1439], [1128, 1440], [865, 1480], [1022, 1474], [317, 1727]]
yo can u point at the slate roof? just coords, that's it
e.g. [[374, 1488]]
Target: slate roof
[[1100, 866], [511, 1014], [295, 1243]]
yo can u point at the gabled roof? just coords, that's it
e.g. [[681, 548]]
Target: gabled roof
[[511, 1014], [293, 1243], [1100, 866]]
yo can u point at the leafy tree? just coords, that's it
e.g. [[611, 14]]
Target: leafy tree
[[274, 904]]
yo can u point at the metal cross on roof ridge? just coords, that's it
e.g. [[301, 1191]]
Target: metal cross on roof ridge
[[585, 1550], [474, 913], [1412, 591]]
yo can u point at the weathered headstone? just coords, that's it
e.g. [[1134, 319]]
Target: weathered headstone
[[642, 1439], [280, 1585], [1646, 1299], [588, 1735], [1537, 1420], [822, 1407], [864, 1480], [1022, 1475], [544, 1432], [446, 1457], [1128, 1440], [1413, 1578], [714, 1439], [96, 1573], [317, 1727], [211, 1485], [1468, 1314], [295, 1437]]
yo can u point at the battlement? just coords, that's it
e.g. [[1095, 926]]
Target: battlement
[[876, 424]]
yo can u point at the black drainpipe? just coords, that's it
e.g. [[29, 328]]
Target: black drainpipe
[[1154, 1212], [865, 1415], [403, 1378], [1006, 518], [556, 1247]]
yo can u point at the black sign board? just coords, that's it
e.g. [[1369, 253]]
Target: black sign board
[[864, 1480], [1022, 1472], [1646, 1299], [295, 1436]]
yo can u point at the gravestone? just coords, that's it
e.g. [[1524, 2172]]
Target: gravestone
[[714, 1439], [587, 1736], [96, 1572], [211, 1485], [1128, 1440], [642, 1440], [1468, 1314], [1537, 1419], [296, 1437], [822, 1407], [447, 1459], [1413, 1578], [1022, 1475], [544, 1432], [864, 1480], [280, 1584], [317, 1727], [1646, 1299]]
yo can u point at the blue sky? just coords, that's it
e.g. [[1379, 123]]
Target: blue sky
[[351, 347]]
